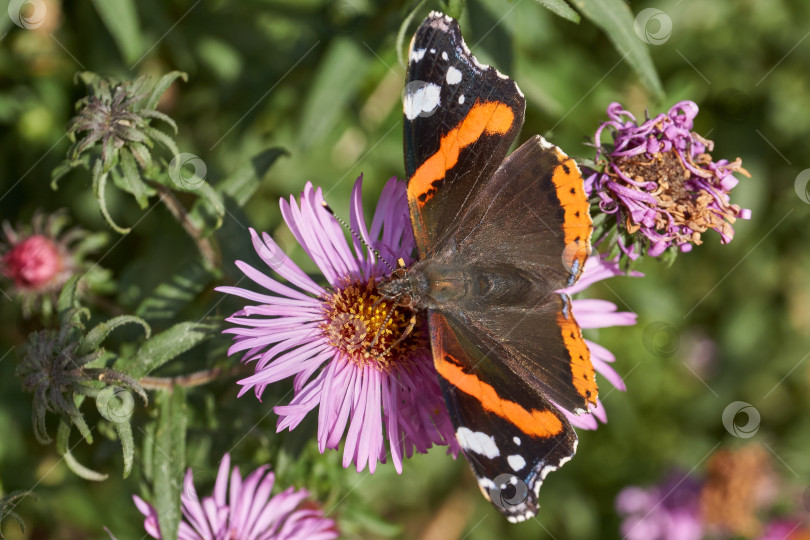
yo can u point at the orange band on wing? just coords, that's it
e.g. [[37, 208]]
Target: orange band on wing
[[583, 375], [536, 423], [492, 117], [577, 226]]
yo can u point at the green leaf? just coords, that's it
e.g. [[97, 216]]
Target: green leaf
[[240, 185], [121, 19], [616, 19], [162, 139], [99, 187], [100, 332], [243, 183], [130, 180], [165, 346], [62, 440], [171, 296], [161, 86], [338, 79], [559, 7], [169, 459], [124, 430], [67, 299]]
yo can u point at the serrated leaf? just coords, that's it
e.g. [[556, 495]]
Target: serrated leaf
[[171, 296], [62, 440], [161, 86], [100, 332], [166, 346], [121, 19], [559, 7], [339, 76], [169, 459], [616, 19]]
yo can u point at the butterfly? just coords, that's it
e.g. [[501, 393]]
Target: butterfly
[[497, 236]]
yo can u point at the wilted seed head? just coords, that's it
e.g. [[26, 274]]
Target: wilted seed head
[[110, 115], [57, 365]]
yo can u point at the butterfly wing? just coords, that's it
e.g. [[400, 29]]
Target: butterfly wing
[[531, 217], [460, 120], [510, 434]]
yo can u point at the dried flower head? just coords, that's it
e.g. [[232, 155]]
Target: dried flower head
[[39, 258], [661, 183], [58, 365], [737, 486], [113, 135]]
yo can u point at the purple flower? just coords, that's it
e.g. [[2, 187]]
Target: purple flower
[[784, 529], [243, 510], [593, 313], [661, 183], [670, 511], [342, 342]]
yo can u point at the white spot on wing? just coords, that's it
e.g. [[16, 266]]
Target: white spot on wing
[[453, 75], [478, 442], [444, 55], [432, 51], [486, 483], [516, 462], [544, 144], [421, 99], [461, 99], [417, 54], [517, 440]]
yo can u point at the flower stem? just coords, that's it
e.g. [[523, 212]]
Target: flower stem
[[198, 378], [179, 212]]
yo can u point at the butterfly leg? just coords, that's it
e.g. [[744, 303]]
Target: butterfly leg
[[405, 334]]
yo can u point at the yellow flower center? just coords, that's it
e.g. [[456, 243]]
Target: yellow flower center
[[370, 330]]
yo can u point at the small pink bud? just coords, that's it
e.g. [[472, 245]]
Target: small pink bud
[[32, 263]]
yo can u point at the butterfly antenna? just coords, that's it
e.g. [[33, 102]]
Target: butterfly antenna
[[357, 236]]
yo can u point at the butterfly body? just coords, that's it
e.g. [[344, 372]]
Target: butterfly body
[[498, 235]]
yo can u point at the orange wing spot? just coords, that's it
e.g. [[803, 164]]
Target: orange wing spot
[[578, 225], [493, 118], [583, 374], [535, 423]]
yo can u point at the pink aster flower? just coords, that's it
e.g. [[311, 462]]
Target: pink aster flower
[[661, 183], [670, 511], [594, 313], [243, 510], [341, 342]]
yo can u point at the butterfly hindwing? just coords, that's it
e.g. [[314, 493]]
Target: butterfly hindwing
[[460, 120], [511, 435], [532, 217]]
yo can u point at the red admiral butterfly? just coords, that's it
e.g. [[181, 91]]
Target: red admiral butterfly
[[497, 236]]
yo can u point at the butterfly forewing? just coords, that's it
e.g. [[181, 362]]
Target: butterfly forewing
[[460, 120]]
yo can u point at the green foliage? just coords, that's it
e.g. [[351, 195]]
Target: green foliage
[[194, 165]]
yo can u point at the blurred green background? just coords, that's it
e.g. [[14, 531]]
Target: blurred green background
[[322, 81]]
